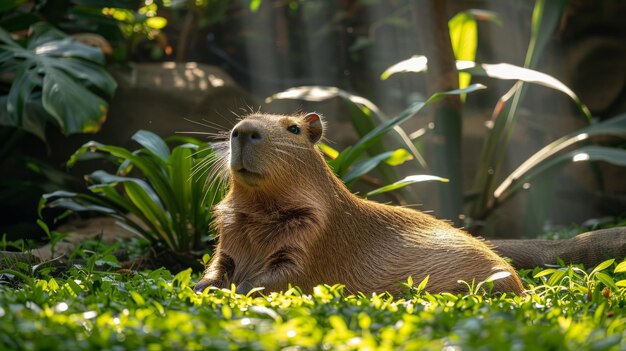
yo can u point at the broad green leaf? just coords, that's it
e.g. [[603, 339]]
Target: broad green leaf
[[422, 285], [43, 33], [556, 277], [398, 157], [621, 283], [180, 165], [363, 167], [602, 266], [68, 74], [464, 38], [74, 286], [152, 143], [25, 82], [606, 280], [90, 75], [620, 268], [76, 109], [110, 192], [106, 178], [150, 170], [544, 273], [406, 181], [156, 216], [137, 298]]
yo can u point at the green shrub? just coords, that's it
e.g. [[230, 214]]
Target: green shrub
[[161, 194], [154, 310]]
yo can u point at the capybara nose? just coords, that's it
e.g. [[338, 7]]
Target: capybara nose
[[246, 131]]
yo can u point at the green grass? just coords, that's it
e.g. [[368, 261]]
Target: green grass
[[87, 308]]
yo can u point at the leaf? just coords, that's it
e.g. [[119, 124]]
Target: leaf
[[354, 102], [398, 157], [422, 285], [406, 181], [464, 38], [137, 298], [615, 126], [78, 207], [621, 283], [546, 17], [180, 165], [602, 266], [544, 273], [76, 110], [556, 277], [25, 82], [68, 73], [508, 71], [90, 75], [328, 151], [606, 280], [153, 143], [365, 166], [584, 154], [417, 63], [156, 22], [106, 178], [620, 268], [498, 276], [74, 286], [404, 116]]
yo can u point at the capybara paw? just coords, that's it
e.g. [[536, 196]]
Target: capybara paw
[[202, 284], [244, 288]]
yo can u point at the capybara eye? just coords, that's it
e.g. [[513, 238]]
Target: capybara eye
[[294, 129]]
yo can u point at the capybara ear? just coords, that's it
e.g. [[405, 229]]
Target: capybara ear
[[315, 126]]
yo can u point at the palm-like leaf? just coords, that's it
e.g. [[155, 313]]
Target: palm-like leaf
[[66, 77]]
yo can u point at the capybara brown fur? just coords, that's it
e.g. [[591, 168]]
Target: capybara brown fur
[[287, 219]]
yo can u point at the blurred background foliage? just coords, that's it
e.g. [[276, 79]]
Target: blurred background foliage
[[506, 137]]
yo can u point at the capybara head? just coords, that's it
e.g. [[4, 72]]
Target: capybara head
[[269, 150]]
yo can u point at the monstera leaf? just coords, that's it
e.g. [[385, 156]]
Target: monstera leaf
[[53, 78]]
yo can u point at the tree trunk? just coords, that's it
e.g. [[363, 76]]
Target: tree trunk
[[588, 249], [431, 25]]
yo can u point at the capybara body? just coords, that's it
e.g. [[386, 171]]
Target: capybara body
[[287, 219]]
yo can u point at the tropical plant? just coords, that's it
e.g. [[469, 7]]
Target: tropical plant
[[57, 79], [169, 205], [486, 194], [352, 163]]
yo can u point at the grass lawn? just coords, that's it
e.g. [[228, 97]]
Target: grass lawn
[[88, 307]]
